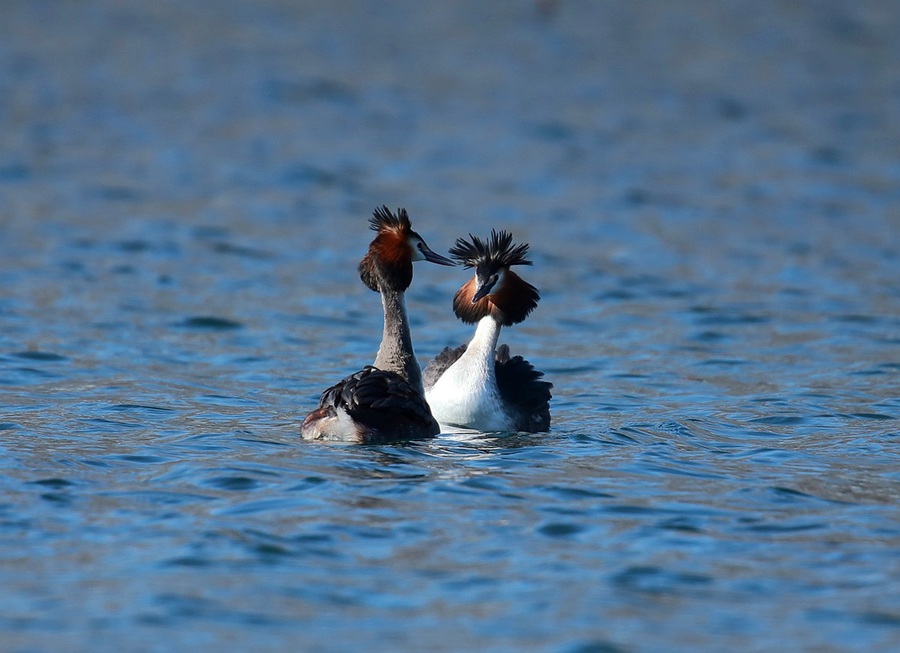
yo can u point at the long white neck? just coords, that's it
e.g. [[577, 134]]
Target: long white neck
[[482, 346], [396, 351], [466, 394]]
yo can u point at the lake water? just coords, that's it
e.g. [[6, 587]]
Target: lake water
[[710, 190]]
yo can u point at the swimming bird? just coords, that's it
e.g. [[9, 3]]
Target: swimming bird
[[479, 385], [384, 402]]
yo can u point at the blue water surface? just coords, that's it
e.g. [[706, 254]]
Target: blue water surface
[[710, 191]]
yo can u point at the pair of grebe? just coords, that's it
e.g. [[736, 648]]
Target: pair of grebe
[[477, 386]]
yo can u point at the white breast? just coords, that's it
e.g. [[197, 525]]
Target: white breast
[[466, 394]]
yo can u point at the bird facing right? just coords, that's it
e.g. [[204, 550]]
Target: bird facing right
[[383, 402]]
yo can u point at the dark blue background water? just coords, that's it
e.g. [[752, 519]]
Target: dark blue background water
[[710, 190]]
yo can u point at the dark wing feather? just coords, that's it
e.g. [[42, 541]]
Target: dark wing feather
[[439, 364], [520, 387], [383, 404]]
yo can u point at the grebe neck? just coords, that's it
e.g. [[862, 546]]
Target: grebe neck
[[396, 352], [484, 342], [466, 394]]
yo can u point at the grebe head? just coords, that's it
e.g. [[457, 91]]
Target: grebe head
[[394, 250], [495, 289]]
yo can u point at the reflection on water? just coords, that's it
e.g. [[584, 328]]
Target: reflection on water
[[713, 222]]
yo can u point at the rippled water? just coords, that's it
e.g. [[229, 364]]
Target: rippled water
[[711, 195]]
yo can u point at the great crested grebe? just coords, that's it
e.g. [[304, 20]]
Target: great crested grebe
[[478, 385], [383, 402]]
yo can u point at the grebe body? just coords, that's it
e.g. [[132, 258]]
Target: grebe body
[[383, 402], [479, 385]]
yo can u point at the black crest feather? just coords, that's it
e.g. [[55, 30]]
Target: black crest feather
[[498, 250], [383, 218]]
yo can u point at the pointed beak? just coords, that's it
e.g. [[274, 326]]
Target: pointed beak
[[435, 258], [483, 290]]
